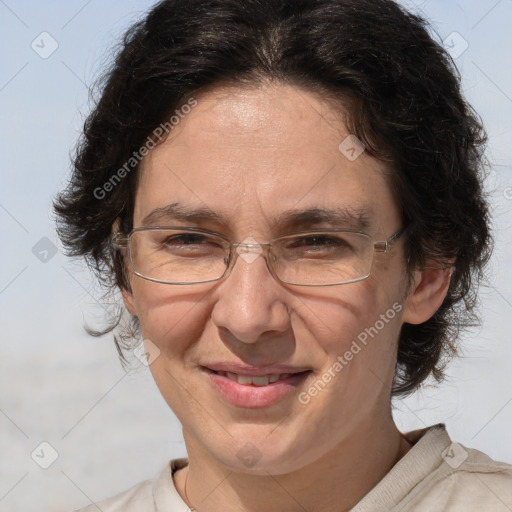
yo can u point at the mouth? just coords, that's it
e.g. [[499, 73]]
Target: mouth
[[255, 391], [255, 380]]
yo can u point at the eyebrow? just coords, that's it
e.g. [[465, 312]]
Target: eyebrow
[[349, 218], [177, 211], [357, 219]]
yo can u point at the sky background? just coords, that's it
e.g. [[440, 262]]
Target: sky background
[[107, 429]]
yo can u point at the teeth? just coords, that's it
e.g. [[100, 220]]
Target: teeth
[[229, 375], [257, 380], [244, 379]]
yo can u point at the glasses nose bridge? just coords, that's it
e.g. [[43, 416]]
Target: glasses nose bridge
[[263, 249]]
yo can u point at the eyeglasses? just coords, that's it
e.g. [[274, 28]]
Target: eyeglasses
[[183, 255]]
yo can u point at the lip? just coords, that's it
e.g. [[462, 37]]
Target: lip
[[251, 371], [251, 396]]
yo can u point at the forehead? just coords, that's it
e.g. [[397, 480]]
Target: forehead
[[255, 155]]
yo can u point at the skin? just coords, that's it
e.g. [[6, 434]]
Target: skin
[[249, 154]]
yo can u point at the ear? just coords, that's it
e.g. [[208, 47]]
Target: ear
[[427, 292], [127, 294], [129, 301]]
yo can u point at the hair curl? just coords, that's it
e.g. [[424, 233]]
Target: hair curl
[[404, 102]]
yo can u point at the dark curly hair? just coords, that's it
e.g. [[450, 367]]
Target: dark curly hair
[[403, 99]]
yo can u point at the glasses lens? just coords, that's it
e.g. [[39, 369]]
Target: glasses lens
[[316, 258], [323, 258], [177, 256]]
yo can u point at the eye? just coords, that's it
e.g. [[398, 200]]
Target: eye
[[319, 241], [322, 242], [187, 239], [318, 245], [187, 245]]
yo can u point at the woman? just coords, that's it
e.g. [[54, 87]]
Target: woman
[[288, 195]]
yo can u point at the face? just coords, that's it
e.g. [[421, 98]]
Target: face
[[249, 155]]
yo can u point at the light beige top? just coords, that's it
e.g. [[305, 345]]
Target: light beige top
[[436, 475]]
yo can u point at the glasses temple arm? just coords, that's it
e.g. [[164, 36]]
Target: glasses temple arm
[[385, 246], [119, 240]]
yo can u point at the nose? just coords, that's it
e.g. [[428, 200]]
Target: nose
[[250, 302]]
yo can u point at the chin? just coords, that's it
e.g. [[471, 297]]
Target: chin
[[257, 456], [253, 462]]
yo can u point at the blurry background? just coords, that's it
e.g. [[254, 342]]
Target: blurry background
[[103, 430]]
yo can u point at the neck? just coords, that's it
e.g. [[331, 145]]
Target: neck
[[336, 481]]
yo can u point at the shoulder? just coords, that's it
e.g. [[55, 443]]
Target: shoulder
[[155, 495], [137, 498], [438, 474], [465, 479], [473, 480]]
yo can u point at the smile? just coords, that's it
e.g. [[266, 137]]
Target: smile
[[256, 380], [255, 391]]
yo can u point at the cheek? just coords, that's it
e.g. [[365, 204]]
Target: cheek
[[359, 328], [341, 315], [171, 318]]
